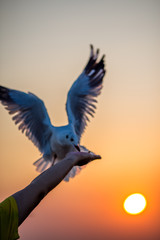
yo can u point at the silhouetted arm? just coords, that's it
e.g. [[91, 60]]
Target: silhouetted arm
[[28, 198]]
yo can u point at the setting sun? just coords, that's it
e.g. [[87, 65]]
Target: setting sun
[[135, 203]]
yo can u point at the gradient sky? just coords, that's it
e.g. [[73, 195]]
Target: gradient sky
[[44, 46]]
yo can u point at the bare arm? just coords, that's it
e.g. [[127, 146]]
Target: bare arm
[[28, 198]]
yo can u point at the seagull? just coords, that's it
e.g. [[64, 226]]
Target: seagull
[[31, 116]]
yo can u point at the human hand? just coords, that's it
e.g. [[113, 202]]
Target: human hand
[[82, 158]]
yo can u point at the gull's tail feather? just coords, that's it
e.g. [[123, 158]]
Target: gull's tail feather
[[75, 170], [42, 164]]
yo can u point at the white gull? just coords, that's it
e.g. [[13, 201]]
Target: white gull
[[32, 118]]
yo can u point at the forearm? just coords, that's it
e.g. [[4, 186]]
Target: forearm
[[49, 179], [28, 198]]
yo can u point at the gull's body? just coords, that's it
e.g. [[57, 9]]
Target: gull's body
[[59, 147], [32, 118]]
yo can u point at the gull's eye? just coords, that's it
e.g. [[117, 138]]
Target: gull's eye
[[72, 140], [66, 136]]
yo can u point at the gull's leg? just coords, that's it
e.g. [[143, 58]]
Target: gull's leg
[[54, 158]]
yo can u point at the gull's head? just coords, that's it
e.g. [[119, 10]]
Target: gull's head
[[68, 138]]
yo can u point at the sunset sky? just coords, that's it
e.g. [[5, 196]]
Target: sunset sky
[[44, 46]]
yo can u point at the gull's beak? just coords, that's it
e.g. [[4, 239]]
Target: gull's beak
[[77, 147]]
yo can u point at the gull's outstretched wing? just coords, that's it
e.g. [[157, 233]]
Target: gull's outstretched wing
[[81, 96], [30, 114]]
